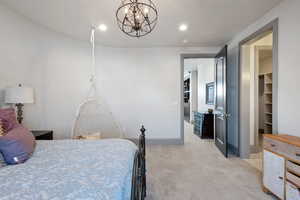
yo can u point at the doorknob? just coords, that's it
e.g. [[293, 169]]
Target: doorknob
[[220, 116], [227, 115]]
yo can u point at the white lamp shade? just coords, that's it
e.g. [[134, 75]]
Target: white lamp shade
[[20, 94]]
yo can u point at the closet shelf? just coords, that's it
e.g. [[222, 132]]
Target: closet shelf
[[267, 73], [267, 100]]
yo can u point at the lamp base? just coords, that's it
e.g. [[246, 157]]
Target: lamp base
[[19, 112]]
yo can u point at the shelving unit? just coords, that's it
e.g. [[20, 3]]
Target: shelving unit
[[186, 90], [186, 98], [268, 107]]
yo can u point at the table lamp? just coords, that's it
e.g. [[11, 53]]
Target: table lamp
[[19, 96]]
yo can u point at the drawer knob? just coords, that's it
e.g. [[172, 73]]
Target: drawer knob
[[297, 154], [273, 145], [280, 177]]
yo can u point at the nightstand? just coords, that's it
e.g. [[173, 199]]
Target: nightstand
[[42, 135]]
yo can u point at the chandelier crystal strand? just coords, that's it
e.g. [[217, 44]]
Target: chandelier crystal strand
[[137, 18]]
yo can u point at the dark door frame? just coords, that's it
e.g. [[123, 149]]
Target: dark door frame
[[182, 57], [243, 110]]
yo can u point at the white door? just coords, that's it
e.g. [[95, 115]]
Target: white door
[[274, 173]]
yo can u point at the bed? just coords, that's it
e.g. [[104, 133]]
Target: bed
[[109, 169]]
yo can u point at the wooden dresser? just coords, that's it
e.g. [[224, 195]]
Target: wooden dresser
[[281, 166]]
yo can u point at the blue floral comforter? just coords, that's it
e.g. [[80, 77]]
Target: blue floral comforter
[[72, 170]]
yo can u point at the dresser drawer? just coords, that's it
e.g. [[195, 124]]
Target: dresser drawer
[[290, 151], [275, 145], [293, 167], [293, 179]]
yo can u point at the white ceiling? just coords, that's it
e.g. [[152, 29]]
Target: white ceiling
[[211, 22]]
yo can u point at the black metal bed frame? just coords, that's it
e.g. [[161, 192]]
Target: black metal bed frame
[[138, 191]]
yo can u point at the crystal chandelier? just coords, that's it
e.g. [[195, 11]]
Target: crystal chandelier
[[137, 18]]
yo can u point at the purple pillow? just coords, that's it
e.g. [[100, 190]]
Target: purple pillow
[[8, 116], [17, 145]]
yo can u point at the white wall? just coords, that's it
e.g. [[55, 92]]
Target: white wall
[[148, 82], [194, 94], [265, 65], [54, 65], [206, 74], [289, 70], [141, 85]]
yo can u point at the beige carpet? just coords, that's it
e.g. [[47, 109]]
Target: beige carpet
[[198, 171], [255, 160]]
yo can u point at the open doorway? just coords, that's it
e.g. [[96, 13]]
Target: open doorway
[[207, 119], [263, 87], [258, 92], [198, 97]]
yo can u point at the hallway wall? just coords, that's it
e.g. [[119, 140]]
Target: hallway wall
[[206, 74]]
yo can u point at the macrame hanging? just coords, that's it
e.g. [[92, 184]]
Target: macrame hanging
[[94, 119]]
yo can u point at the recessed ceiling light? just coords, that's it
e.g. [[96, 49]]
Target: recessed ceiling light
[[183, 27], [102, 27]]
